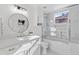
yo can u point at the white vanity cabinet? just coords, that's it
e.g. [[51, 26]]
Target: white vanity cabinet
[[23, 49], [27, 46], [9, 50]]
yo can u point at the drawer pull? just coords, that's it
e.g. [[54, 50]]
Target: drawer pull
[[11, 49]]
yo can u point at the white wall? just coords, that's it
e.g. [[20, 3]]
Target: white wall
[[33, 16], [6, 12]]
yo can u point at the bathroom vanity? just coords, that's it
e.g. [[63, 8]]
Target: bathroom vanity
[[19, 46]]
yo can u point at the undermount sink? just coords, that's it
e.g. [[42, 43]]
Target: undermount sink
[[26, 38], [23, 38]]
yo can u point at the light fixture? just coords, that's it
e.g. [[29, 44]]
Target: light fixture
[[18, 9]]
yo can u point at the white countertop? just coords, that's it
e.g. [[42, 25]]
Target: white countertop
[[16, 41]]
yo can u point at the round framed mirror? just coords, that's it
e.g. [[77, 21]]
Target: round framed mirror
[[18, 23]]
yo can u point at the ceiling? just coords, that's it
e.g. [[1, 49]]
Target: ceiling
[[52, 7], [47, 7]]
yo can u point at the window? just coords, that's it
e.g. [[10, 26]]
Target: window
[[61, 17]]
